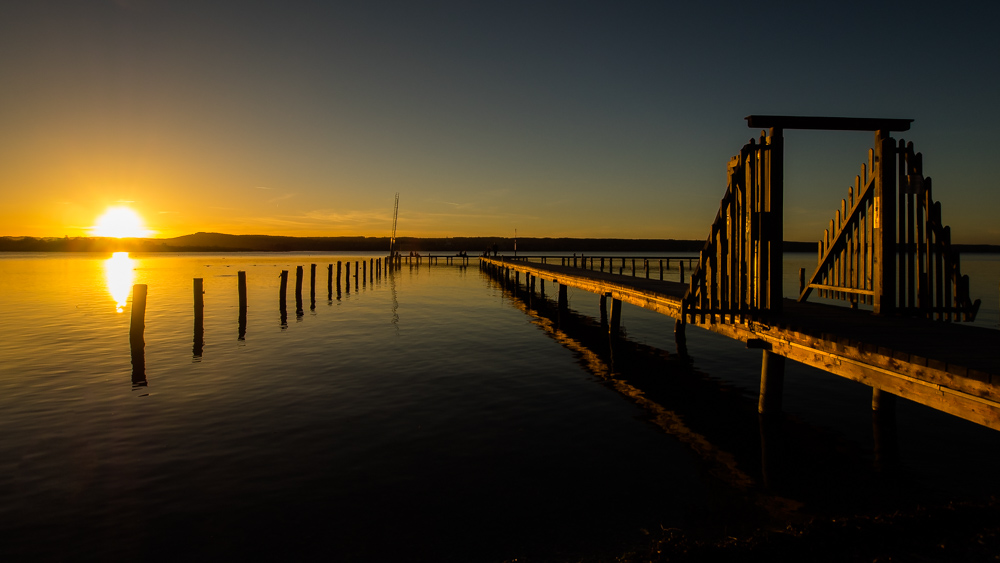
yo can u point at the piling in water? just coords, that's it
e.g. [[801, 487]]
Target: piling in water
[[312, 286], [242, 282], [281, 297], [137, 328], [329, 282], [199, 318], [298, 291]]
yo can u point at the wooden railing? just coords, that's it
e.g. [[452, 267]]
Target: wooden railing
[[738, 274], [921, 273]]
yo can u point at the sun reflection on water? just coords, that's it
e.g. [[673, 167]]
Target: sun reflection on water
[[119, 274]]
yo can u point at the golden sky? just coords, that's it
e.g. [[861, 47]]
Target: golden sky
[[578, 119]]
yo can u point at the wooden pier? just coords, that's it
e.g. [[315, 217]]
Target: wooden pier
[[885, 253]]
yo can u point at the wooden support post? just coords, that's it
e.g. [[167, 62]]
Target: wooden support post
[[682, 271], [615, 317], [199, 318], [283, 289], [680, 336], [884, 274], [775, 223], [137, 328], [772, 382], [883, 402], [199, 300], [329, 282], [645, 265], [298, 291], [661, 270], [338, 274], [312, 287], [542, 288], [633, 267], [563, 296], [364, 273], [241, 278], [604, 309], [802, 280]]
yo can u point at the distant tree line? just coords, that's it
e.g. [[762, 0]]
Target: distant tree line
[[216, 242]]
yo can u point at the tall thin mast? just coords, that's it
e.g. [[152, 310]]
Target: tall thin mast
[[395, 214]]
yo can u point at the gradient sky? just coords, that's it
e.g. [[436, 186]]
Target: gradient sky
[[583, 119]]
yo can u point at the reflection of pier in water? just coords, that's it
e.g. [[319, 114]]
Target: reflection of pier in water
[[775, 463]]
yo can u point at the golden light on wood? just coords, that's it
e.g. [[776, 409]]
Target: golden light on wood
[[120, 222]]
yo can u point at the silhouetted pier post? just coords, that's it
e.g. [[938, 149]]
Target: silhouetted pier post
[[541, 288], [298, 291], [364, 273], [282, 291], [357, 270], [802, 280], [312, 286], [199, 300], [680, 337], [604, 309], [338, 275], [772, 382], [371, 270], [615, 317], [682, 271], [199, 318], [137, 328], [347, 275], [329, 282], [661, 270], [137, 324], [241, 283], [563, 296]]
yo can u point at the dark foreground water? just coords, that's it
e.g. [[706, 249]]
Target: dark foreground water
[[426, 416]]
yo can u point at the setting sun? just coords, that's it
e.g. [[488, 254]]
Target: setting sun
[[120, 222]]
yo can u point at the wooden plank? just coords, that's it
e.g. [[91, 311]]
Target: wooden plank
[[827, 123]]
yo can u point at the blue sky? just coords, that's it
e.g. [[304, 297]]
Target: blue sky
[[557, 118]]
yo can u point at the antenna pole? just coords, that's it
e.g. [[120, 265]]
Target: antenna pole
[[395, 214]]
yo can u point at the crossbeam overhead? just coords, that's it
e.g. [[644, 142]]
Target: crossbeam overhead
[[827, 123]]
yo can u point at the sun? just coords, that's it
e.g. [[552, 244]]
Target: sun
[[120, 222]]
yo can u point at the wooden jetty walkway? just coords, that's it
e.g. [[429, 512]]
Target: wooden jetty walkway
[[885, 253]]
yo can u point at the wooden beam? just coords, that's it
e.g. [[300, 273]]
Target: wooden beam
[[827, 123]]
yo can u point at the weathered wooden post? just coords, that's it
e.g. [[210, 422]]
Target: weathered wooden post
[[884, 222], [563, 296], [364, 272], [645, 265], [680, 337], [283, 289], [772, 382], [541, 287], [199, 318], [633, 267], [615, 319], [682, 271], [774, 219], [312, 287], [604, 309], [802, 280], [137, 327], [137, 321], [602, 263], [241, 282], [298, 291], [329, 282], [357, 270], [199, 300], [661, 270]]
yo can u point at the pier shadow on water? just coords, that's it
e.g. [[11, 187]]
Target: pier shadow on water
[[764, 473]]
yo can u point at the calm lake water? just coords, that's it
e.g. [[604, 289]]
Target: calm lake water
[[428, 415]]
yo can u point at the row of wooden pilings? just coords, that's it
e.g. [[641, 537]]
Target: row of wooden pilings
[[364, 271]]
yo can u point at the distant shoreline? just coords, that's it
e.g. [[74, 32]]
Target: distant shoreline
[[217, 242]]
